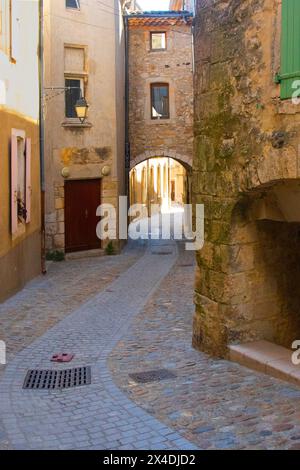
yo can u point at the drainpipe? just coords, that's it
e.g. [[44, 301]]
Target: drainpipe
[[127, 143], [42, 134], [193, 45]]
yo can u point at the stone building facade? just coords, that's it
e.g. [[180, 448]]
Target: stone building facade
[[84, 48], [246, 172], [20, 188], [170, 66]]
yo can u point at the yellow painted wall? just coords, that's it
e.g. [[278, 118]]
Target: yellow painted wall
[[8, 121], [20, 255]]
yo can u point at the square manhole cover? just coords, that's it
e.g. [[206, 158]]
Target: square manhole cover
[[57, 379], [152, 376]]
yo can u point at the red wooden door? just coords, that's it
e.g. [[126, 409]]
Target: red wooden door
[[82, 197]]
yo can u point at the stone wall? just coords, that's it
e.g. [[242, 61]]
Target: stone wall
[[246, 157], [169, 137], [80, 163]]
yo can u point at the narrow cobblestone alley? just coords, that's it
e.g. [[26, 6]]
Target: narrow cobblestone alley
[[66, 419], [209, 404], [149, 230]]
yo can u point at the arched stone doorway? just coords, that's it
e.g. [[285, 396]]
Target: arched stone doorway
[[248, 281]]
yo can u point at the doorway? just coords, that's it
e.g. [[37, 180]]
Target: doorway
[[82, 198]]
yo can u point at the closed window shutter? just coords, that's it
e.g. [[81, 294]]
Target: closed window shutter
[[14, 183], [290, 47], [28, 180]]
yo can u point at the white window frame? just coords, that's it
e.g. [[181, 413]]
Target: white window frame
[[156, 49], [82, 87]]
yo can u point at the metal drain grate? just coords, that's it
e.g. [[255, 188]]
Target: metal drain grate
[[152, 376], [57, 379]]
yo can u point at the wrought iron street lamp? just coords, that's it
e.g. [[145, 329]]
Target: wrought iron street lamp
[[81, 105], [81, 108]]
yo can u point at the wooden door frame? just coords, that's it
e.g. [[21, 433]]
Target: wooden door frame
[[65, 207]]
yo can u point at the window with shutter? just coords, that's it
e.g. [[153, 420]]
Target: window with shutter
[[18, 182], [14, 183], [290, 48]]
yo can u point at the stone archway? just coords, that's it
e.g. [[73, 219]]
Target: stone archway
[[186, 161], [249, 270], [162, 180]]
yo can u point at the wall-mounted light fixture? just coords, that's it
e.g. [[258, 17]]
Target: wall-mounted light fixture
[[81, 108], [81, 105]]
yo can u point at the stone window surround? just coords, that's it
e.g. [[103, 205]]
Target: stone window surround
[[169, 40], [166, 41], [152, 97], [83, 76], [147, 106]]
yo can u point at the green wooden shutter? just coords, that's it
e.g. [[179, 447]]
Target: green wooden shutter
[[290, 47]]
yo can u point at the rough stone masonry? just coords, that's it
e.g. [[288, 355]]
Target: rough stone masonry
[[246, 172], [171, 137]]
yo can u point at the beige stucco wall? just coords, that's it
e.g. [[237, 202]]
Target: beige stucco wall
[[84, 150]]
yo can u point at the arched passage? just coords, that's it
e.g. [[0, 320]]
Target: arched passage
[[162, 181], [253, 263], [183, 159]]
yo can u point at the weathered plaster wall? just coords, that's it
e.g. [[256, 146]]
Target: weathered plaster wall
[[248, 265], [20, 72], [168, 137], [84, 151], [20, 254]]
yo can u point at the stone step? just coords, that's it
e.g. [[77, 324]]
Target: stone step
[[268, 358], [85, 254]]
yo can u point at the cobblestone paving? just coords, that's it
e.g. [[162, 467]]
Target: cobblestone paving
[[98, 416], [135, 309], [48, 299], [214, 403]]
